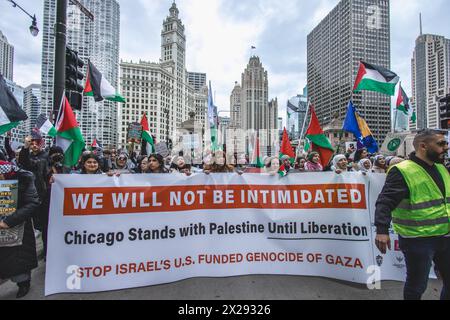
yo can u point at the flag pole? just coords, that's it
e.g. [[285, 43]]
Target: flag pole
[[304, 120]]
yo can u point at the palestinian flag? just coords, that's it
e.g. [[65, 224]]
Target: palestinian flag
[[257, 159], [11, 114], [402, 103], [69, 136], [147, 137], [45, 126], [99, 88], [375, 78], [286, 147], [282, 172], [319, 142]]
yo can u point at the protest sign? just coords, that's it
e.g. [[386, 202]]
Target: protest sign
[[8, 206]]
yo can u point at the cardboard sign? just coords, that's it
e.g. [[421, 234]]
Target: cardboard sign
[[134, 133], [161, 148]]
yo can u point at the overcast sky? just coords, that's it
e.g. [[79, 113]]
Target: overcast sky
[[220, 34]]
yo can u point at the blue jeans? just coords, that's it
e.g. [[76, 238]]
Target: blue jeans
[[419, 255]]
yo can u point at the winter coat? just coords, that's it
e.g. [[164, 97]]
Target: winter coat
[[38, 165], [22, 259]]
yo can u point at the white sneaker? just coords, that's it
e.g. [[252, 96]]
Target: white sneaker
[[37, 233]]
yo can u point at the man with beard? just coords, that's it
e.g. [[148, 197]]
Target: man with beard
[[416, 199]]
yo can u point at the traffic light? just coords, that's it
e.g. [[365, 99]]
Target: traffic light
[[73, 74]]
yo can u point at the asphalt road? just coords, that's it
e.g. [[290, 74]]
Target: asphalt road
[[236, 288]]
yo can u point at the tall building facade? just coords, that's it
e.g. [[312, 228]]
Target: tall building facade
[[97, 40], [257, 113], [162, 90], [32, 105], [6, 58], [354, 30], [296, 113], [197, 80], [235, 106], [430, 79]]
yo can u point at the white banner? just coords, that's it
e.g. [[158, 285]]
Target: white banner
[[141, 230]]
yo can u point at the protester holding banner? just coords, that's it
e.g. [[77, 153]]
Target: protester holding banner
[[379, 165], [313, 164], [415, 199], [122, 165], [142, 165], [90, 164], [271, 165], [156, 164], [365, 165], [17, 261], [179, 165], [300, 165], [340, 164], [218, 164]]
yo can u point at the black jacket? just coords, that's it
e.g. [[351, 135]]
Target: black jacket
[[22, 259], [395, 190], [38, 165]]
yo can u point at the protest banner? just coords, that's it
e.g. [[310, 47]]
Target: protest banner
[[141, 230], [8, 206]]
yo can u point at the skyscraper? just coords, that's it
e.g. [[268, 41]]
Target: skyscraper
[[97, 40], [235, 106], [354, 30], [6, 58], [430, 78], [257, 113], [31, 105], [163, 90], [296, 112]]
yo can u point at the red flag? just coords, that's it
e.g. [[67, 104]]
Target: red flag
[[286, 147], [319, 141]]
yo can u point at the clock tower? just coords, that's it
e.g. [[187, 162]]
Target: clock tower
[[173, 40]]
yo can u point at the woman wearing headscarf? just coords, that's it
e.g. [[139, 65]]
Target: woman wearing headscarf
[[179, 165], [340, 164], [17, 262], [122, 166], [365, 165], [360, 155], [313, 164], [379, 165]]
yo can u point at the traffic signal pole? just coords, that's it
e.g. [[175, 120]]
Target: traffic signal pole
[[60, 56]]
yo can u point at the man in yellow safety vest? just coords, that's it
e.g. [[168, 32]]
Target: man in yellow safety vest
[[416, 199]]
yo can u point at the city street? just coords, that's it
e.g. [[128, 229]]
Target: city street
[[236, 288]]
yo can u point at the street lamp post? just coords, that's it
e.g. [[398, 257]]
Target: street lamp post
[[34, 30], [60, 56]]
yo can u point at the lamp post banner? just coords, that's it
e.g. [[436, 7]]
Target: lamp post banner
[[112, 233]]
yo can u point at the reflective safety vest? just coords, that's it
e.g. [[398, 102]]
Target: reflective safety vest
[[427, 212]]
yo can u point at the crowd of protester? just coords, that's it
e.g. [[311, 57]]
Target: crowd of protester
[[35, 166]]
